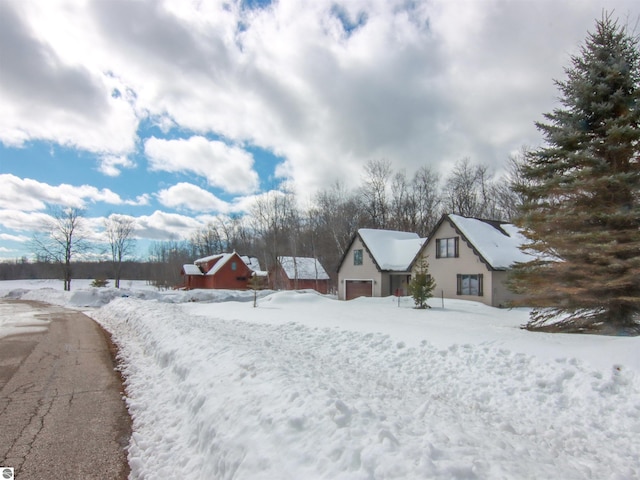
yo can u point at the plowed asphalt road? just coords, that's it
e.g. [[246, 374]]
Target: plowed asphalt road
[[62, 415]]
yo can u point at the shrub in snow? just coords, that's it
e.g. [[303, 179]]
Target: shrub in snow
[[422, 285]]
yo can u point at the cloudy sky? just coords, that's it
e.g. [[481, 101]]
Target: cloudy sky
[[174, 111]]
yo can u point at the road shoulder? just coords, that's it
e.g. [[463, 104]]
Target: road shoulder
[[62, 410]]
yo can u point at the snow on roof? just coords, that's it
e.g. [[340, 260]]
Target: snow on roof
[[190, 269], [252, 262], [208, 259], [224, 258], [391, 249], [306, 268], [499, 245]]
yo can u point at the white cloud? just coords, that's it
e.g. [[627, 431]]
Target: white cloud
[[331, 85], [166, 226], [112, 165], [19, 220], [327, 85], [28, 194], [46, 95], [225, 167], [141, 200], [191, 197], [13, 238]]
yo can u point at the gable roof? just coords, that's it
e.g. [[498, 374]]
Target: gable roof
[[496, 243], [252, 262], [191, 269], [222, 258], [208, 258], [391, 250], [303, 268]]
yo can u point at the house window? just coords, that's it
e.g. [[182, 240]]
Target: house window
[[447, 247], [234, 266], [470, 284], [357, 257]]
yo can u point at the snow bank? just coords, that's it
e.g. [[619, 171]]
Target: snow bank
[[305, 386], [216, 398], [83, 295]]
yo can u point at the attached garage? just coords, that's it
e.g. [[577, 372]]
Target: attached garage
[[377, 263], [358, 288]]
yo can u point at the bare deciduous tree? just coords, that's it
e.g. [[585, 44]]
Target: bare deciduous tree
[[235, 233], [338, 215], [61, 237], [415, 205], [508, 196], [426, 188], [335, 216], [373, 192], [275, 217], [119, 230], [460, 190], [470, 192], [206, 241], [169, 257], [403, 207]]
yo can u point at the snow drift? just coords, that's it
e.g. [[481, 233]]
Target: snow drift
[[305, 386]]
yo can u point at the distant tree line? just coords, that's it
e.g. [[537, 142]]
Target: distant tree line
[[24, 269], [277, 226]]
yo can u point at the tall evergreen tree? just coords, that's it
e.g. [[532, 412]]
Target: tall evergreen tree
[[582, 206]]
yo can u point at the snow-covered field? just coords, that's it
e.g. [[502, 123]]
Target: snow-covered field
[[305, 387]]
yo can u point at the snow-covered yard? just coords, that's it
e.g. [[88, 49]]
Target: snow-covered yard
[[305, 386]]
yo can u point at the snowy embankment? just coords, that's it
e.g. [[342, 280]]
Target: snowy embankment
[[308, 387]]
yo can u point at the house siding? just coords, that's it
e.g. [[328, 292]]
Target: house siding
[[502, 296], [366, 271], [320, 286], [191, 281], [224, 278], [445, 270], [227, 278], [385, 286], [280, 280]]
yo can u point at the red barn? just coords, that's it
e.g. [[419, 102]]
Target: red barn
[[299, 273], [223, 271]]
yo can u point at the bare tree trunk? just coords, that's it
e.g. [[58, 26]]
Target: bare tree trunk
[[119, 230], [374, 192], [61, 237]]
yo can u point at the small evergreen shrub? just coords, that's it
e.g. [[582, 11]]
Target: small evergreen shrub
[[422, 285], [99, 282]]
